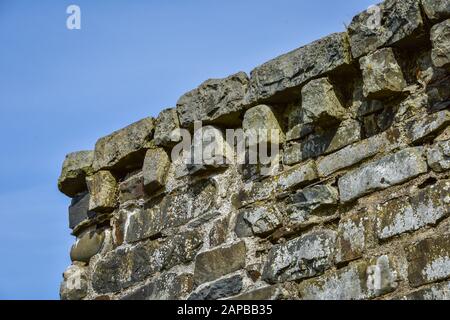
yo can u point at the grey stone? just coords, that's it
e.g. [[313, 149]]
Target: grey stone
[[440, 38], [155, 169], [357, 152], [384, 25], [87, 246], [426, 207], [386, 172], [166, 124], [436, 9], [381, 73], [219, 232], [438, 291], [210, 265], [303, 257], [428, 260], [298, 176], [257, 191], [438, 156], [124, 150], [79, 210], [418, 130], [320, 103], [265, 293], [315, 198], [216, 101], [260, 124], [103, 191], [77, 165], [263, 220], [75, 283], [219, 289], [169, 286], [299, 131], [132, 188], [292, 70]]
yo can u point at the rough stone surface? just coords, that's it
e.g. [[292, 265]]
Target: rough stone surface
[[295, 68], [265, 293], [79, 210], [132, 188], [298, 176], [436, 10], [261, 124], [440, 38], [155, 169], [426, 127], [75, 283], [388, 171], [166, 124], [76, 166], [219, 289], [382, 74], [440, 291], [213, 264], [320, 103], [103, 191], [300, 258], [428, 260], [215, 101], [438, 156], [262, 220], [124, 149], [384, 25], [426, 207], [87, 246]]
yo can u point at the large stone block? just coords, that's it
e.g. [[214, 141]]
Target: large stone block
[[79, 210], [165, 129], [320, 103], [294, 69], [381, 174], [427, 207], [383, 25], [75, 283], [438, 156], [436, 9], [124, 150], [87, 246], [126, 266], [103, 191], [216, 101], [219, 289], [440, 38], [155, 169], [213, 264], [261, 124], [428, 127], [298, 176], [303, 257], [428, 260], [76, 166], [382, 75], [169, 286]]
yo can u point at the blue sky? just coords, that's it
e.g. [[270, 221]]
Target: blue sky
[[60, 90]]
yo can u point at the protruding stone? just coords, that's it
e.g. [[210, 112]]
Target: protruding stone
[[440, 39], [287, 73], [320, 103], [418, 130], [124, 150], [77, 165], [87, 246], [386, 24], [386, 172], [79, 210], [155, 169], [263, 220], [103, 192], [382, 74], [219, 289], [303, 257], [215, 101], [438, 156], [165, 130], [436, 9], [213, 264], [209, 150], [428, 260], [75, 283], [298, 176], [427, 207], [261, 124]]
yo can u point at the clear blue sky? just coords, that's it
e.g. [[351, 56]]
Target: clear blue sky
[[61, 90]]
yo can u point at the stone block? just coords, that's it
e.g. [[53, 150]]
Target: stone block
[[438, 156], [75, 283], [103, 191], [76, 166], [263, 220], [79, 210], [155, 169], [436, 10], [87, 246], [219, 289], [165, 128], [428, 127], [440, 39], [260, 124]]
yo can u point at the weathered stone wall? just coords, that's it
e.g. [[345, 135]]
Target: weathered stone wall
[[357, 209]]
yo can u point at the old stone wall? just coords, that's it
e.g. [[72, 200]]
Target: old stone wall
[[357, 206]]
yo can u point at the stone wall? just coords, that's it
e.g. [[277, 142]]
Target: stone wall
[[357, 208]]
